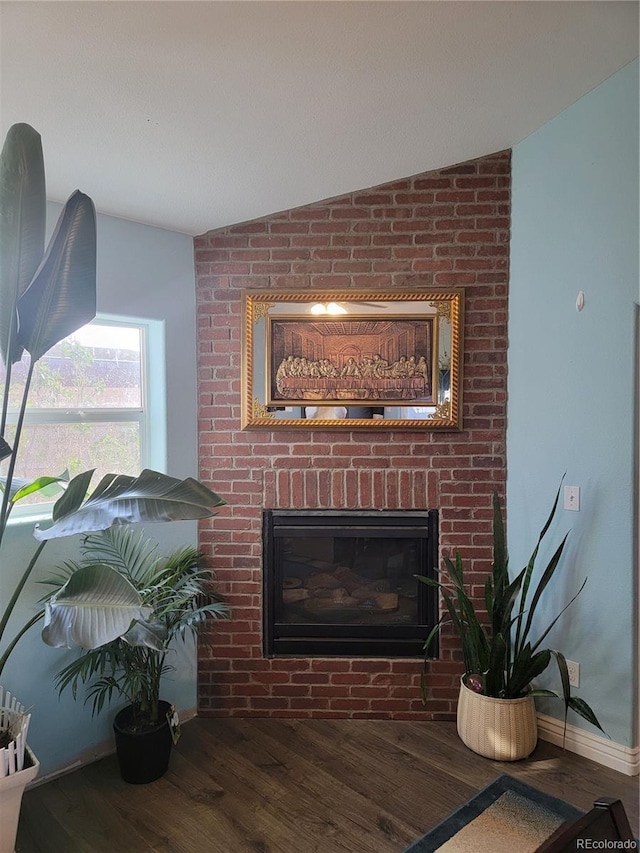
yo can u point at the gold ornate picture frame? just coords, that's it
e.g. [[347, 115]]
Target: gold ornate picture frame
[[352, 359]]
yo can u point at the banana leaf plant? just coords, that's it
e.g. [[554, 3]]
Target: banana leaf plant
[[46, 293], [501, 657]]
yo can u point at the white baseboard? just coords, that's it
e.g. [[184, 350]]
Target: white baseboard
[[187, 714], [624, 759]]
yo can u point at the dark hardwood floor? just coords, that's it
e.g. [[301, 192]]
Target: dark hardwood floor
[[293, 786]]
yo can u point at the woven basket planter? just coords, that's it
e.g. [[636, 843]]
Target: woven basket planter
[[500, 729]]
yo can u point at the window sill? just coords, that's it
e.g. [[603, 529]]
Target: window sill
[[37, 516]]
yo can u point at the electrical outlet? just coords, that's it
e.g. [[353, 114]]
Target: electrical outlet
[[574, 673]]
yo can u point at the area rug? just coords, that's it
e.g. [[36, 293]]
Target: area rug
[[506, 816]]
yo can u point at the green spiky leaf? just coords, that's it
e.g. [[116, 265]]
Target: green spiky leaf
[[580, 707]]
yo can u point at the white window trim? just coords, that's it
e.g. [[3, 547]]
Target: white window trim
[[153, 439]]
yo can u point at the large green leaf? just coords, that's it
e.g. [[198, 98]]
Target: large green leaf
[[5, 449], [95, 606], [74, 494], [47, 486], [119, 499], [152, 635], [22, 226], [62, 296]]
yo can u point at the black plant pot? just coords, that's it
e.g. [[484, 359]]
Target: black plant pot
[[143, 756]]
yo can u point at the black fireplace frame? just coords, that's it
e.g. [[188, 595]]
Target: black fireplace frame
[[304, 640]]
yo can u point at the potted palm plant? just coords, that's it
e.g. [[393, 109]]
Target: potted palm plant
[[502, 655], [46, 293], [175, 597]]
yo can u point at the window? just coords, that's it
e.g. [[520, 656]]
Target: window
[[88, 405]]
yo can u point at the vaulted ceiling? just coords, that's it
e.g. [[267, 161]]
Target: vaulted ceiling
[[195, 115]]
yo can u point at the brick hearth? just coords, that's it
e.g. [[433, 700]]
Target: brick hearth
[[448, 228]]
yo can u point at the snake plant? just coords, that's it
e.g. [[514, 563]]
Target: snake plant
[[505, 652]]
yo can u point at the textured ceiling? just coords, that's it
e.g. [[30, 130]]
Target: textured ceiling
[[195, 115]]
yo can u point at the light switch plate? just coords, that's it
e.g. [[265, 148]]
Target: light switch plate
[[572, 498]]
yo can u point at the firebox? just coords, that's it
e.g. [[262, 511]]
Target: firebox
[[343, 582]]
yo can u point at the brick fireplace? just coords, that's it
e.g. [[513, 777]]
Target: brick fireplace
[[448, 228]]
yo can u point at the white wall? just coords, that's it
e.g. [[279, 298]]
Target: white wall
[[572, 382], [148, 273]]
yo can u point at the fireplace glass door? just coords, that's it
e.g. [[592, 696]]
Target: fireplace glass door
[[343, 582]]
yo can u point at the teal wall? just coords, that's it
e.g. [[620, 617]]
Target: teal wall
[[148, 273], [572, 381]]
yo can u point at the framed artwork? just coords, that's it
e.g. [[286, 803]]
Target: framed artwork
[[352, 359]]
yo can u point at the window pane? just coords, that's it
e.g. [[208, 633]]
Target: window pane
[[96, 367], [50, 449]]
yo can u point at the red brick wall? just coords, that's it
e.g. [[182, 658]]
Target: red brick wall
[[445, 228]]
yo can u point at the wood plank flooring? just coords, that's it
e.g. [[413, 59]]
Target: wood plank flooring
[[293, 786]]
